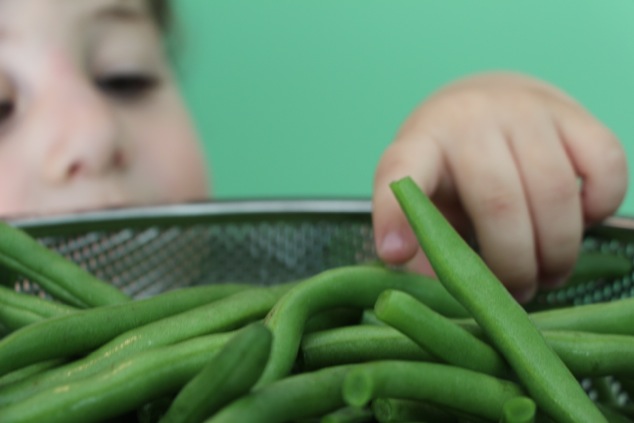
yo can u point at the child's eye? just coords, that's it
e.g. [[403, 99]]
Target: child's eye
[[127, 86], [6, 110]]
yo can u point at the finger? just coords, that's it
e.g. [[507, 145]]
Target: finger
[[553, 196], [598, 159], [420, 159], [492, 194], [420, 264]]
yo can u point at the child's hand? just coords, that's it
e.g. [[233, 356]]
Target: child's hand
[[511, 161]]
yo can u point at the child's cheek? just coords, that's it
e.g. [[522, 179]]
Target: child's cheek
[[16, 183], [169, 157]]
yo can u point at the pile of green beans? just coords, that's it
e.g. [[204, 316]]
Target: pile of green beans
[[363, 343]]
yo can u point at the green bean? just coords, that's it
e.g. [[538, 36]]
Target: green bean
[[58, 276], [14, 318], [593, 265], [594, 355], [519, 410], [605, 394], [438, 335], [125, 387], [85, 330], [221, 315], [585, 354], [615, 317], [37, 305], [29, 371], [230, 374], [331, 319], [612, 415], [349, 415], [151, 412], [392, 410], [355, 287], [506, 323], [356, 344], [460, 389], [18, 310], [293, 398]]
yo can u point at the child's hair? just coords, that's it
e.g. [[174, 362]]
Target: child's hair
[[162, 14]]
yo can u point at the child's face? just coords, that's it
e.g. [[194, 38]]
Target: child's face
[[89, 112]]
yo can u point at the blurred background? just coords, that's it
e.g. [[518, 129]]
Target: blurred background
[[300, 98]]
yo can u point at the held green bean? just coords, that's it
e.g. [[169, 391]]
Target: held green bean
[[460, 389], [438, 335], [506, 323], [85, 330], [125, 387], [58, 276], [230, 374]]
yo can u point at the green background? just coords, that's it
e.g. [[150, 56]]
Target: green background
[[300, 98]]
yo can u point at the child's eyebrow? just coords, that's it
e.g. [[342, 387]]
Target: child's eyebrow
[[119, 11]]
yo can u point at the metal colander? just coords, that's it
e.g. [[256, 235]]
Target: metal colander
[[149, 250]]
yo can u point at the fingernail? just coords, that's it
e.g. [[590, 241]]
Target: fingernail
[[392, 244]]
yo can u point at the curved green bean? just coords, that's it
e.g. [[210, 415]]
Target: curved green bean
[[460, 389], [230, 374], [438, 335], [293, 398], [505, 322], [85, 330], [357, 344], [125, 387], [60, 277], [356, 287]]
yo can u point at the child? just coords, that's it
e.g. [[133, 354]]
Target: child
[[90, 117]]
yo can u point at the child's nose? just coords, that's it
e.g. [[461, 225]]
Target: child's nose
[[86, 141]]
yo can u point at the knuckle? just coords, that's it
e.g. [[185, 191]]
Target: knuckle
[[498, 203], [560, 190]]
